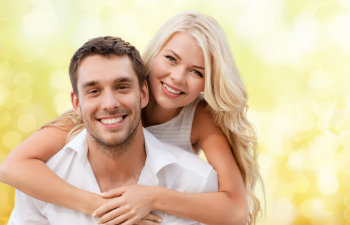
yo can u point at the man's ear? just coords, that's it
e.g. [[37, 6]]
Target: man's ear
[[75, 102], [144, 94]]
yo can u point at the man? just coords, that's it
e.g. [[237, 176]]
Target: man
[[109, 91]]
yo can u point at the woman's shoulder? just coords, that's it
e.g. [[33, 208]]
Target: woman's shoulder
[[203, 119], [203, 109]]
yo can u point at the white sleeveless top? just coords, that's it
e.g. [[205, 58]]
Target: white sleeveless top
[[177, 131]]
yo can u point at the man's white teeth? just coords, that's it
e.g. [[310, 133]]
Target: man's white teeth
[[112, 121], [171, 90]]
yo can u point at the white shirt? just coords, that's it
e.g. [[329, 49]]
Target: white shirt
[[165, 165]]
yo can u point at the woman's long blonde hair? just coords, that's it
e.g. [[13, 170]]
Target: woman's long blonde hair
[[224, 92]]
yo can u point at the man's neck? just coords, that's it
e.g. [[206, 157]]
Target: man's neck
[[115, 170]]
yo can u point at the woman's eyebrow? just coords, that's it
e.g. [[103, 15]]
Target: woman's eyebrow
[[198, 67], [177, 56]]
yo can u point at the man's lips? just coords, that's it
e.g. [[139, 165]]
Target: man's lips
[[111, 120], [172, 89]]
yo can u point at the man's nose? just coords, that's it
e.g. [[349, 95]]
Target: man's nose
[[110, 100]]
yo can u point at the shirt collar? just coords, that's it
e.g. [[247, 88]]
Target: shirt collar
[[79, 145], [158, 156], [157, 153]]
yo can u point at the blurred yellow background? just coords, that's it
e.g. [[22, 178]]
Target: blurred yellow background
[[294, 57]]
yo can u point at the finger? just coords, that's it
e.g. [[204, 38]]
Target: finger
[[128, 218], [152, 217], [131, 221], [117, 215], [104, 209], [146, 222], [113, 193]]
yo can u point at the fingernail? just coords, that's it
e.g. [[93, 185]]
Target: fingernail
[[94, 214]]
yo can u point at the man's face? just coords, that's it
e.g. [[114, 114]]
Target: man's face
[[109, 99]]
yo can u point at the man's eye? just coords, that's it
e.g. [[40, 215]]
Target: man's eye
[[93, 91], [170, 58], [122, 87]]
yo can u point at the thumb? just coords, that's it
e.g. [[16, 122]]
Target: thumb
[[113, 192]]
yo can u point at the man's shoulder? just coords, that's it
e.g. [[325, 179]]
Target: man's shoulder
[[188, 173], [69, 154], [178, 169], [180, 157], [188, 160]]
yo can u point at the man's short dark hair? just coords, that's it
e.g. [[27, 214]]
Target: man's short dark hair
[[106, 46]]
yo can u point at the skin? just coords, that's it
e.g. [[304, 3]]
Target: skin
[[109, 101], [178, 65], [176, 79]]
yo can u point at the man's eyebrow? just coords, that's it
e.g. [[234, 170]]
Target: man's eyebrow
[[89, 84], [177, 56], [118, 80], [122, 80]]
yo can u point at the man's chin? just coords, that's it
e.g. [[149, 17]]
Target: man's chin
[[112, 141], [113, 138]]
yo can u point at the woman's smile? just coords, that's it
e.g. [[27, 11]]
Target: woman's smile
[[176, 77], [168, 89]]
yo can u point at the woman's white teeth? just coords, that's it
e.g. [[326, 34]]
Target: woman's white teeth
[[170, 89], [112, 121]]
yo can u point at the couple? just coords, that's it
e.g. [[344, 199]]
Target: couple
[[189, 54]]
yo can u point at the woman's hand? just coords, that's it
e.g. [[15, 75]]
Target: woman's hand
[[126, 205], [150, 219]]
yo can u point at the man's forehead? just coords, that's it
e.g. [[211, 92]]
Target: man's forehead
[[112, 68]]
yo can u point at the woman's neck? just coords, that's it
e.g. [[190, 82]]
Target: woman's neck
[[154, 114]]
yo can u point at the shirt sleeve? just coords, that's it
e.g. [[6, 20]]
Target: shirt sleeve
[[27, 211], [210, 184]]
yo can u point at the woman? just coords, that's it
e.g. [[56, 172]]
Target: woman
[[188, 55]]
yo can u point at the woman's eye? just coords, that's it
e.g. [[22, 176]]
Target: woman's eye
[[197, 73], [170, 58]]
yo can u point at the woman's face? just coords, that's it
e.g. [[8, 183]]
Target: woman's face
[[177, 73]]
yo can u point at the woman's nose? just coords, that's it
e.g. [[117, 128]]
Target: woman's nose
[[178, 74]]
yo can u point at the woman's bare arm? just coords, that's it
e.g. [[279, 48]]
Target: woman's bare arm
[[228, 206], [25, 169]]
